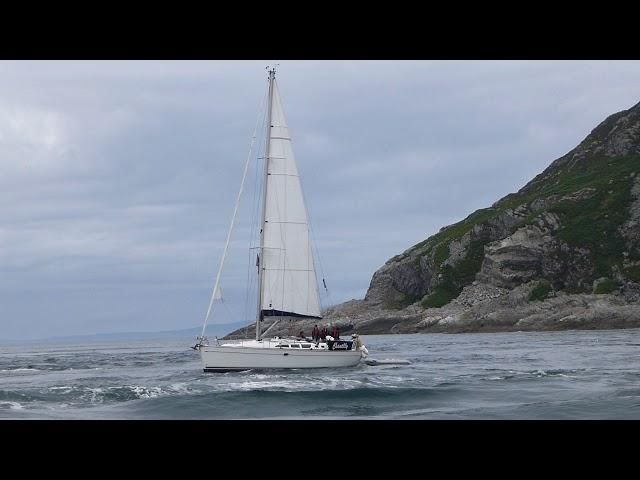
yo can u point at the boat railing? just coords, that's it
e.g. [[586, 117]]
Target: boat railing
[[233, 341], [239, 342], [251, 342]]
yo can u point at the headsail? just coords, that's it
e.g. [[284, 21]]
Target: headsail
[[288, 285]]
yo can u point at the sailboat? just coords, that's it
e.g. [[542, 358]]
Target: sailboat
[[287, 287]]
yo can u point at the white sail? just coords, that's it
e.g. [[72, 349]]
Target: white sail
[[289, 279]]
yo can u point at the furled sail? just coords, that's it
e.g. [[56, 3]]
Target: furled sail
[[289, 284]]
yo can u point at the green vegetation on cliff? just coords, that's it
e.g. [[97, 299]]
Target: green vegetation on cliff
[[574, 221], [632, 273], [541, 291], [453, 279], [592, 222], [606, 286]]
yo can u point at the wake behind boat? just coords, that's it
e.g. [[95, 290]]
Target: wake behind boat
[[287, 287]]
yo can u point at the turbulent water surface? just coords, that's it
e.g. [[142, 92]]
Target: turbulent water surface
[[581, 375]]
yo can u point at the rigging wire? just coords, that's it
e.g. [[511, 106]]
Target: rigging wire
[[253, 230], [233, 219]]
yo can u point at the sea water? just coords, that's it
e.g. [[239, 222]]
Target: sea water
[[532, 375]]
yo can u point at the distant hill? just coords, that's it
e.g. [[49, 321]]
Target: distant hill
[[212, 330]]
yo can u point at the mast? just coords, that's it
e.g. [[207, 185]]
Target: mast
[[217, 293], [272, 76]]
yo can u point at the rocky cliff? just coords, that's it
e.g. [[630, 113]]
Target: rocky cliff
[[563, 252]]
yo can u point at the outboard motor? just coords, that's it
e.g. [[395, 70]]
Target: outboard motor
[[359, 345]]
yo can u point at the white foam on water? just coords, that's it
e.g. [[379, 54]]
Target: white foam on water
[[20, 370], [263, 376], [249, 385], [144, 392], [282, 383], [12, 405], [64, 387], [58, 406], [179, 387], [389, 381], [95, 395]]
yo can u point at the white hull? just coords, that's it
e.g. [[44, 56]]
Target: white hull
[[224, 359]]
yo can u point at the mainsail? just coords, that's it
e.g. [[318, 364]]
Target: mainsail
[[288, 277]]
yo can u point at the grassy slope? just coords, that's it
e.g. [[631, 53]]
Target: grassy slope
[[591, 223]]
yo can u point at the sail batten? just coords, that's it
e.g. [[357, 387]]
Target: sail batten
[[288, 283]]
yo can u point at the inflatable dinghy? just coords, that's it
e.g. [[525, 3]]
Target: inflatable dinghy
[[386, 361]]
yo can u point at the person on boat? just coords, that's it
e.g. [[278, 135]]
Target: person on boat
[[324, 332], [336, 333], [301, 334], [315, 334]]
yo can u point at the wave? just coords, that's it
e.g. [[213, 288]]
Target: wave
[[261, 403], [553, 373], [20, 369], [498, 374], [86, 396], [442, 382]]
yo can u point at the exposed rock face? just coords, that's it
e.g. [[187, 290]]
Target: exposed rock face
[[399, 279], [483, 308], [631, 229], [575, 226], [526, 254], [513, 311], [563, 252]]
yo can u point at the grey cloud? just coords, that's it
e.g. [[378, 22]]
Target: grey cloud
[[117, 179]]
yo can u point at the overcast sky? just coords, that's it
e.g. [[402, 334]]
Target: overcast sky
[[118, 178]]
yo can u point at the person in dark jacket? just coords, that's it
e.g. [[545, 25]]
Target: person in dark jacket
[[324, 333], [315, 333], [336, 333]]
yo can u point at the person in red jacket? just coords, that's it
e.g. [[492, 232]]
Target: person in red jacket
[[336, 333]]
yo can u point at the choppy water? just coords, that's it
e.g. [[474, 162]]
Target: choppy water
[[581, 375]]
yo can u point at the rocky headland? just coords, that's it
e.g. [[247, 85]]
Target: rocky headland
[[561, 253]]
